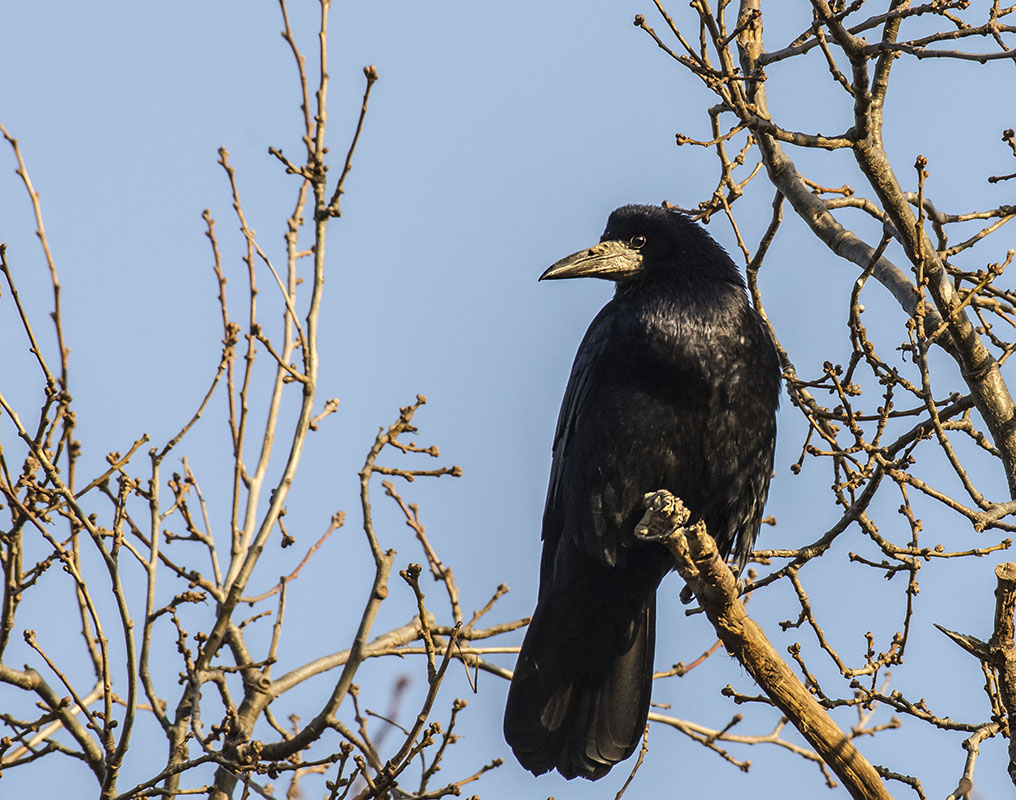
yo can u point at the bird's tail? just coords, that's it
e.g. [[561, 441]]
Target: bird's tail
[[579, 697]]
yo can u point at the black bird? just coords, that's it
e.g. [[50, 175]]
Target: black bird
[[675, 386]]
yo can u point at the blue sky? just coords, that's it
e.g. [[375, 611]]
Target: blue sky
[[498, 140]]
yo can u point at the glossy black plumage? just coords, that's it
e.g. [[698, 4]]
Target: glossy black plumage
[[674, 386]]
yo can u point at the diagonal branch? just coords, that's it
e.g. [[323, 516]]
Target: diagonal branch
[[699, 563]]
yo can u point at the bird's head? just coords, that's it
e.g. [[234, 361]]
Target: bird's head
[[648, 243]]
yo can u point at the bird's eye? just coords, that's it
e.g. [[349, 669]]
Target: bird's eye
[[638, 242]]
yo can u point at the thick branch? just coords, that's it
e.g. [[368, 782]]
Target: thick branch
[[699, 563], [999, 653], [1004, 650]]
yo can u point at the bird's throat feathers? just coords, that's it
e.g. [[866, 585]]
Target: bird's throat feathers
[[672, 313]]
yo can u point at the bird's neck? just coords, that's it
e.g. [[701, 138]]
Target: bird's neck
[[670, 324], [684, 297]]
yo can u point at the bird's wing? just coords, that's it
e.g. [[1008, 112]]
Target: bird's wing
[[573, 408]]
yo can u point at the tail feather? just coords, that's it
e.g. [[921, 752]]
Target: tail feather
[[579, 698]]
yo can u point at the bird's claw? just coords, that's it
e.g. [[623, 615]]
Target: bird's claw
[[665, 515]]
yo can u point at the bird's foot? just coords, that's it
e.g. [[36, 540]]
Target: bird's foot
[[665, 515]]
